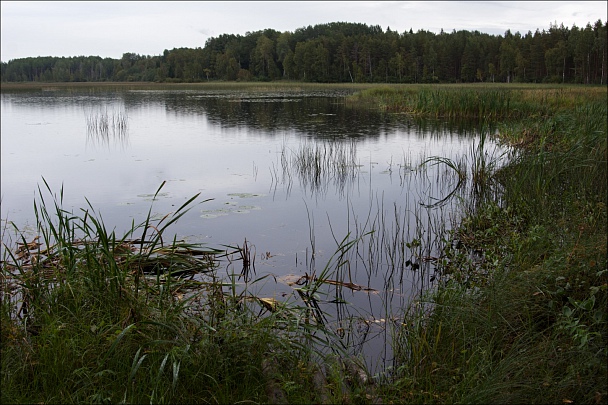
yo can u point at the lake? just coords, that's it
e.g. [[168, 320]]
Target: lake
[[291, 172]]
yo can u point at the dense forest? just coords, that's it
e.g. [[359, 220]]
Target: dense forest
[[348, 52]]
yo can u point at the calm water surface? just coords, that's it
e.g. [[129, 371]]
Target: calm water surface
[[247, 154]]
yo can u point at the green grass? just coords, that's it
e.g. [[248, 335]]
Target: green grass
[[521, 314], [481, 102], [91, 317]]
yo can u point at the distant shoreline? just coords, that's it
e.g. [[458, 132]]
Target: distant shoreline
[[255, 85], [27, 85]]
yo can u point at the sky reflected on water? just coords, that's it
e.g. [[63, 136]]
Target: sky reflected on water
[[292, 173]]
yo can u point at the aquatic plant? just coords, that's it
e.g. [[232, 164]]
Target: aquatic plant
[[516, 316], [318, 164], [90, 316], [103, 126]]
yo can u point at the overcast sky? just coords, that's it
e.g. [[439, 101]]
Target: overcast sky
[[109, 29]]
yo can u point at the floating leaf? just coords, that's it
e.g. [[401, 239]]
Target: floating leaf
[[246, 195]]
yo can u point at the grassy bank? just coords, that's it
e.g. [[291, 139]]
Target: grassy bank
[[521, 314], [90, 316]]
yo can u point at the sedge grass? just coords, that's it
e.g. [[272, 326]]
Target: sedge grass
[[520, 316], [524, 321], [91, 317], [319, 164], [479, 102]]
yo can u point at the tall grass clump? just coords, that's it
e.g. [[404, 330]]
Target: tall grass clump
[[88, 316], [104, 126], [318, 165], [520, 313]]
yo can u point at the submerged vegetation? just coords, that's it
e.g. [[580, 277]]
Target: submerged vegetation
[[518, 313]]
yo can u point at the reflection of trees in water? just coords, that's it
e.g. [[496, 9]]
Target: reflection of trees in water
[[313, 116]]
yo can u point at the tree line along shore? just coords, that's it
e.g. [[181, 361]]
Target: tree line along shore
[[343, 52]]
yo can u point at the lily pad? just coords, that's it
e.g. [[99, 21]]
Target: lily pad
[[241, 211], [210, 215], [246, 195], [249, 208], [150, 197], [215, 213]]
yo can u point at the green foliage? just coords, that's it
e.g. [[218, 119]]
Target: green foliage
[[348, 52], [91, 317], [520, 316]]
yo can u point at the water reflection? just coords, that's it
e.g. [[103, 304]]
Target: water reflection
[[293, 174], [310, 113]]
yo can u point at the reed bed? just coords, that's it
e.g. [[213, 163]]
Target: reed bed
[[519, 314], [443, 102], [493, 103], [88, 316]]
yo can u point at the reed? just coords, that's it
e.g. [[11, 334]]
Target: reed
[[88, 316], [496, 103], [319, 164], [104, 126], [392, 254], [519, 315]]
